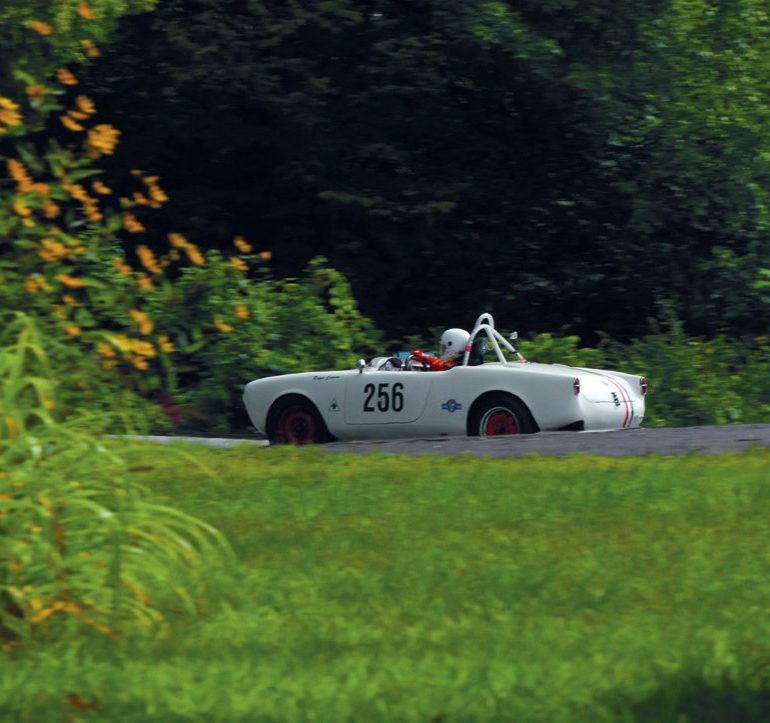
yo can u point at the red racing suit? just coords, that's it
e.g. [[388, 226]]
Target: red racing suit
[[434, 363]]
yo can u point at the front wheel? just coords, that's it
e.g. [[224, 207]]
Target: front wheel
[[295, 420], [500, 414]]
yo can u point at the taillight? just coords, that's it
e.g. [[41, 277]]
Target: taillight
[[643, 386], [576, 386]]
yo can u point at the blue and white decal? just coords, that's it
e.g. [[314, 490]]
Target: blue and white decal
[[451, 405]]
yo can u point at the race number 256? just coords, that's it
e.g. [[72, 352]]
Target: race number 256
[[385, 396]]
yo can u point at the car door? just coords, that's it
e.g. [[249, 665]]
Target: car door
[[386, 397]]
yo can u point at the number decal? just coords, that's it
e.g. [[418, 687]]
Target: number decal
[[383, 401], [398, 397], [387, 399], [369, 391]]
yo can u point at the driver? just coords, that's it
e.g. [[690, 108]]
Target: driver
[[453, 343]]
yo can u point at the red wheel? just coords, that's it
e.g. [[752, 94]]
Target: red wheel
[[498, 414], [499, 420], [295, 420]]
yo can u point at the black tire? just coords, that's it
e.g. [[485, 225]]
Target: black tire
[[500, 414], [294, 419]]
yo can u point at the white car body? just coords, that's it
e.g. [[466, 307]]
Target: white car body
[[376, 401]]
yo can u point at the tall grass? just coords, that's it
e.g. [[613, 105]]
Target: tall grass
[[82, 543]]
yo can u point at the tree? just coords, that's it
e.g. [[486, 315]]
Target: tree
[[557, 162]]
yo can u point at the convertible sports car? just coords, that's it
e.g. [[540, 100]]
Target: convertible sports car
[[392, 397]]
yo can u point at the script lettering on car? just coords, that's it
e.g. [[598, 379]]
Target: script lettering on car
[[384, 397]]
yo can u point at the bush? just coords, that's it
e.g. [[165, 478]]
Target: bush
[[131, 319], [695, 381]]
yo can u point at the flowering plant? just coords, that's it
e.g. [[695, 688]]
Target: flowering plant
[[128, 315]]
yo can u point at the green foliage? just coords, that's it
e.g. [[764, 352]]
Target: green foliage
[[230, 329], [82, 543], [551, 349], [386, 588], [697, 381]]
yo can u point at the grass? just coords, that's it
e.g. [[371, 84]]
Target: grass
[[391, 588]]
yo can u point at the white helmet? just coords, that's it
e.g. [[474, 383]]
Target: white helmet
[[453, 343]]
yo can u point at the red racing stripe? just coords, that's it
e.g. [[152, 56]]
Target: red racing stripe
[[625, 399]]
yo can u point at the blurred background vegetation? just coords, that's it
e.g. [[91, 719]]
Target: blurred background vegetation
[[199, 192]]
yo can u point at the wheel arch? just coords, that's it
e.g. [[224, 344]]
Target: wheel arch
[[289, 397], [490, 394]]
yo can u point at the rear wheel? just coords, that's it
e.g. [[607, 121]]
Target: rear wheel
[[500, 414], [295, 420]]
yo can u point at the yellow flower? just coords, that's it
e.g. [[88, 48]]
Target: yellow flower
[[72, 329], [99, 187], [34, 91], [222, 326], [92, 210], [239, 263], [66, 77], [142, 348], [52, 250], [105, 350], [158, 195], [21, 208], [70, 124], [147, 257], [177, 240], [90, 49], [131, 223], [85, 12], [140, 363], [102, 140], [41, 189], [70, 300], [121, 266], [9, 113], [144, 281], [71, 281], [165, 344], [195, 256], [41, 27], [241, 311], [35, 283], [51, 209], [77, 192], [18, 173], [142, 321], [265, 255], [85, 105], [242, 245]]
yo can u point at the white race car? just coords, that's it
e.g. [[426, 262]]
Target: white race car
[[393, 397]]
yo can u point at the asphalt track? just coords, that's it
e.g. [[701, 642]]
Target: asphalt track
[[667, 441]]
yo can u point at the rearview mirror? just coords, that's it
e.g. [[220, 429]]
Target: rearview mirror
[[360, 364]]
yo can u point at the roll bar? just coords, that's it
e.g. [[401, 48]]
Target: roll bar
[[486, 323]]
